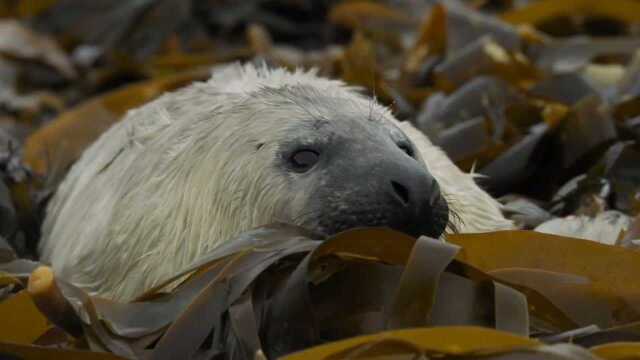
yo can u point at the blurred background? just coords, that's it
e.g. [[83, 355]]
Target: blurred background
[[542, 97]]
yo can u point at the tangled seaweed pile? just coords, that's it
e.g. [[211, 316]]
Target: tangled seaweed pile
[[274, 291], [543, 97]]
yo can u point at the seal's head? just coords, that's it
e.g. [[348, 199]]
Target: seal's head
[[309, 151], [349, 165], [188, 171]]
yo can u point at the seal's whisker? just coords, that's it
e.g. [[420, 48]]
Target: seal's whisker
[[455, 220]]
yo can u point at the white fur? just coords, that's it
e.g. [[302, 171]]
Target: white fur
[[180, 175]]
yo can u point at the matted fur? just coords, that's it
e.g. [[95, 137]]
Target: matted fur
[[181, 174]]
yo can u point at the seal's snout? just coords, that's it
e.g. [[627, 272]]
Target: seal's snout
[[415, 204], [408, 195], [392, 190]]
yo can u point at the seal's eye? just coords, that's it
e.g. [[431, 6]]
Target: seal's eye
[[303, 160], [406, 148]]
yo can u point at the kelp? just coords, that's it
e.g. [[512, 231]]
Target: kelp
[[238, 298]]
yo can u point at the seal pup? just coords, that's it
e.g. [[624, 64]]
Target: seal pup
[[186, 172]]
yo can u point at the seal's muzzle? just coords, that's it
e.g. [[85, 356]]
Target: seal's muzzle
[[373, 184]]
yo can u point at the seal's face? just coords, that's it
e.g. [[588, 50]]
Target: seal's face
[[358, 170]]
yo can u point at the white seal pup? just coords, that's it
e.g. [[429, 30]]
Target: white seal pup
[[184, 173]]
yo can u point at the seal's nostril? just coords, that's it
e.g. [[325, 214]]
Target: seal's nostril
[[401, 191]]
